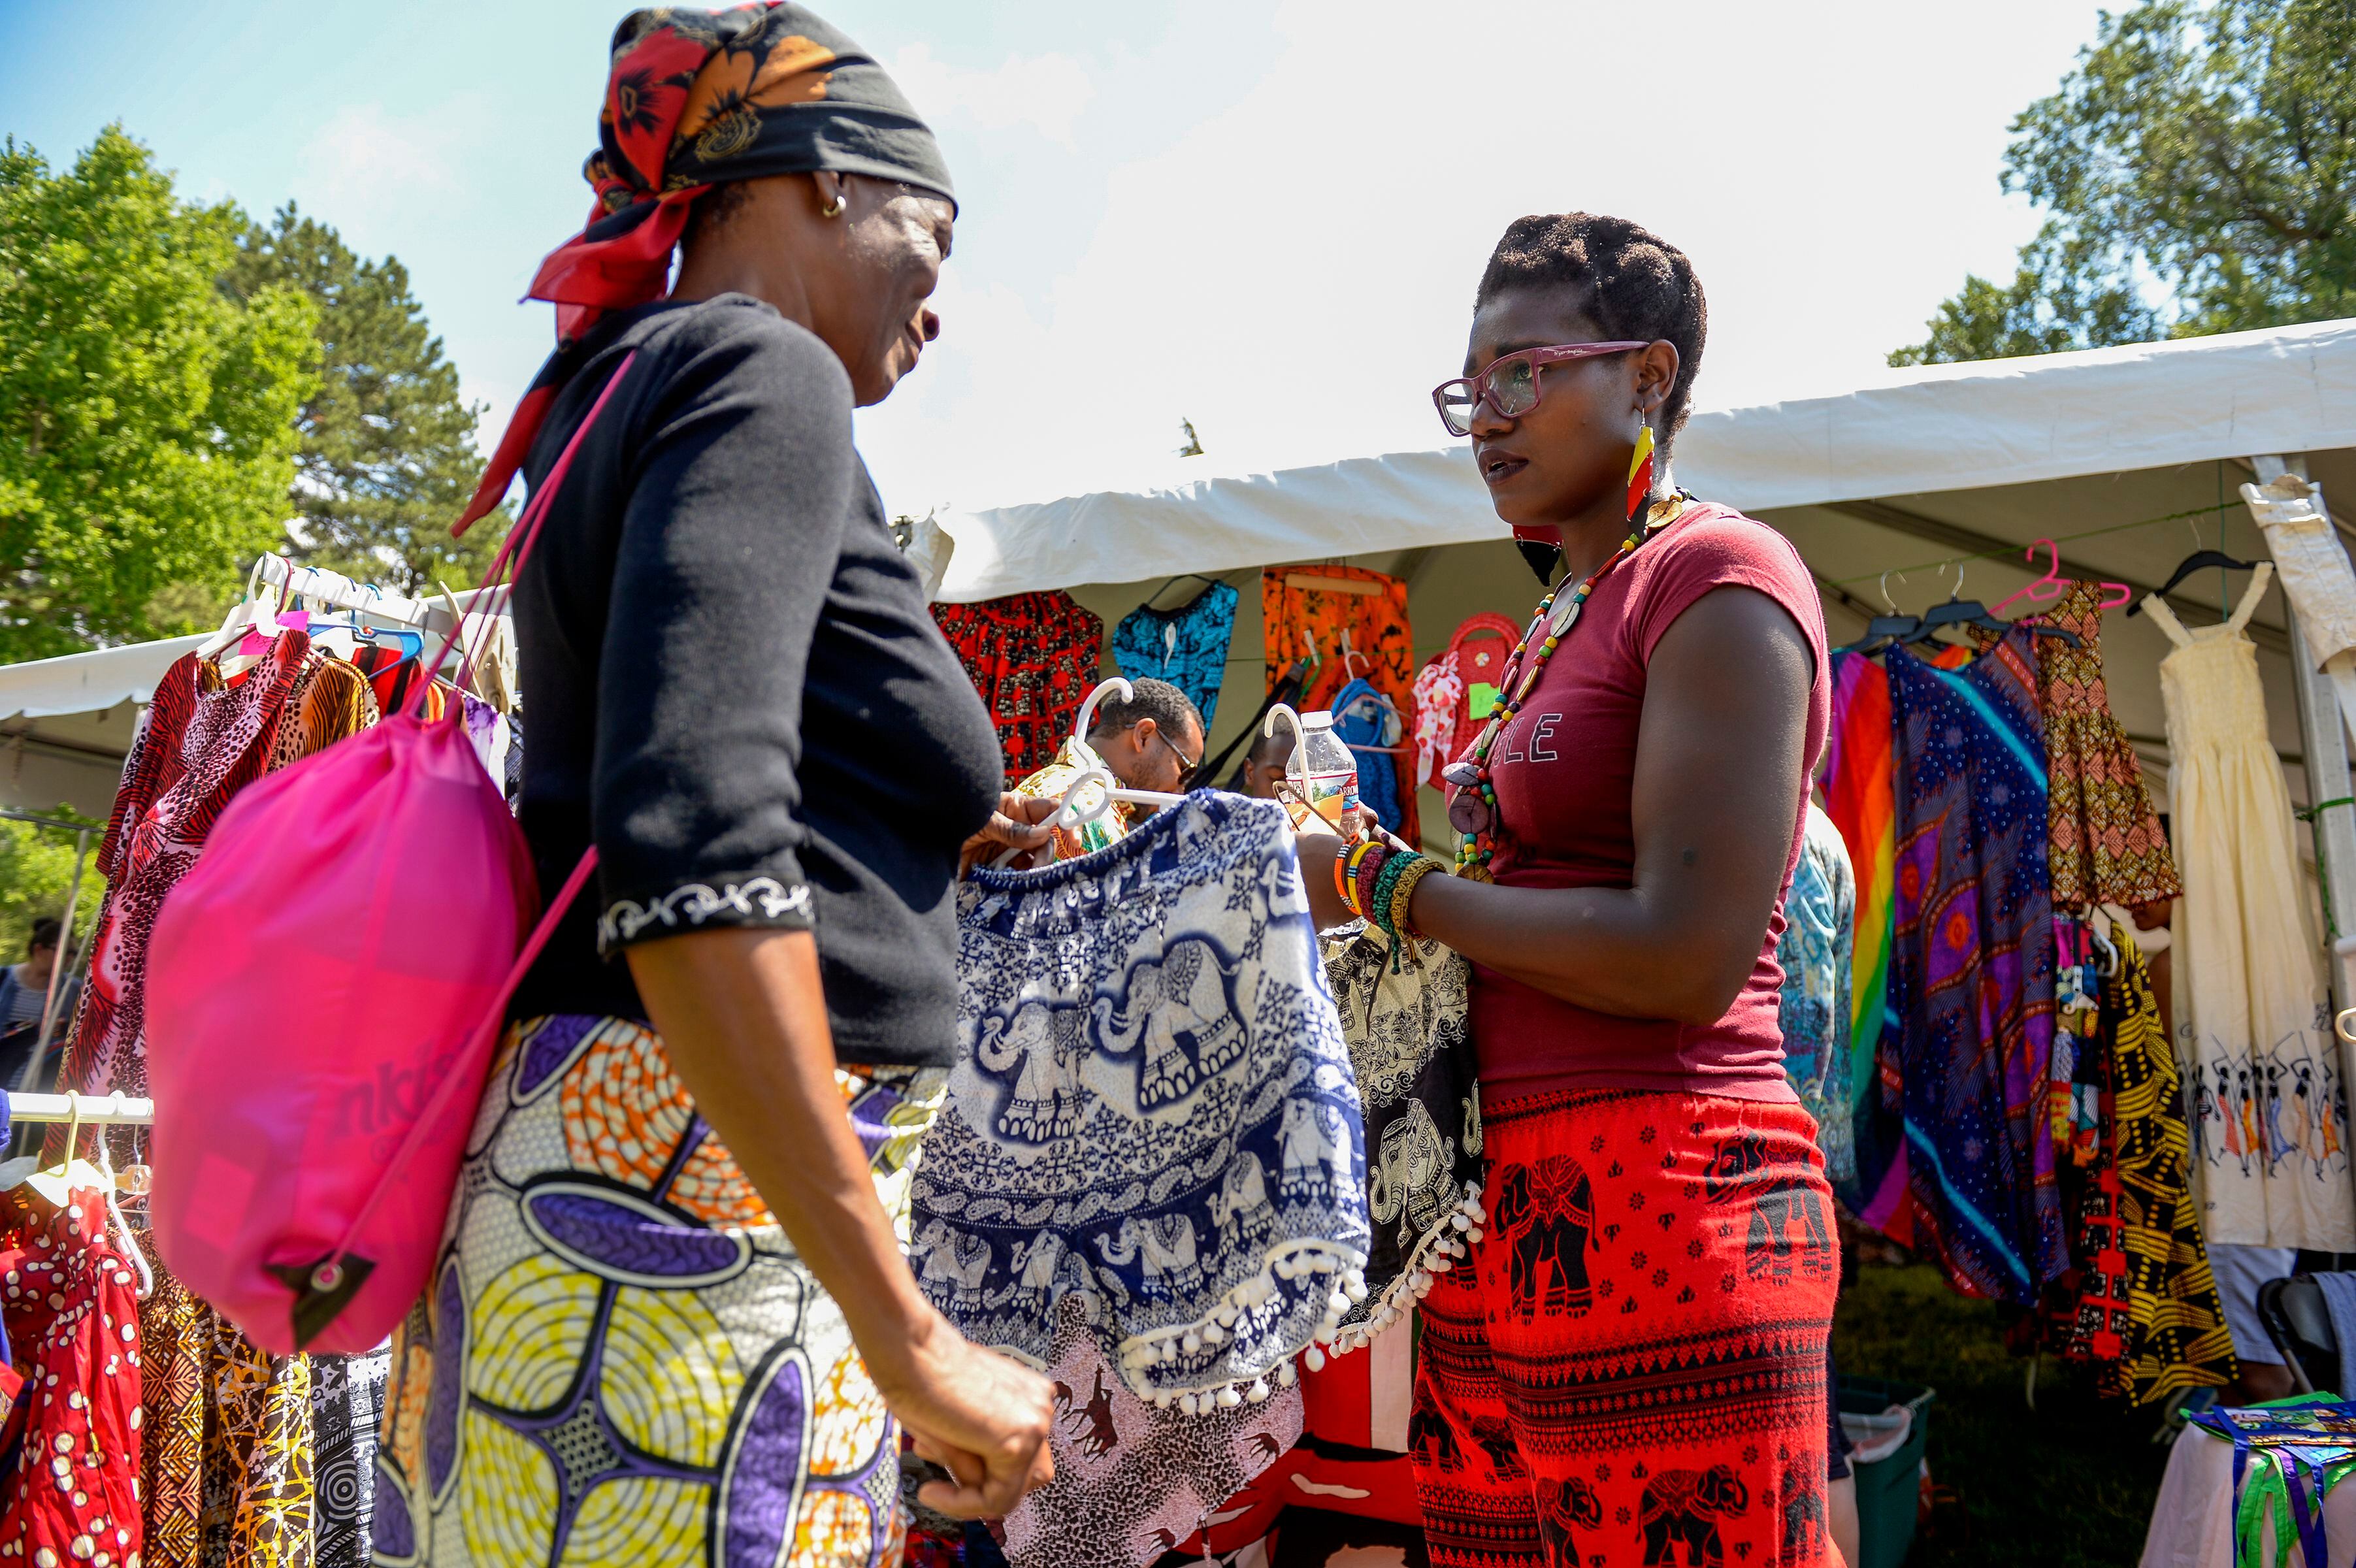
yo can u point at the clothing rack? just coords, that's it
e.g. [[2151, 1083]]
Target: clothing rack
[[89, 1109], [370, 604]]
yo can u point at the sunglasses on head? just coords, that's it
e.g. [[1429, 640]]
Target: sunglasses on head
[[1510, 385]]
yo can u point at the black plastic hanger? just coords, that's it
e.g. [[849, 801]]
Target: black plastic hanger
[[1208, 582], [2199, 561], [1882, 631], [1971, 612]]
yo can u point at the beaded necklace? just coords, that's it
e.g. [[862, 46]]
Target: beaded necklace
[[1473, 811]]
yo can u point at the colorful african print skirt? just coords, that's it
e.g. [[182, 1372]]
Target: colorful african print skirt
[[1631, 1369], [621, 1358]]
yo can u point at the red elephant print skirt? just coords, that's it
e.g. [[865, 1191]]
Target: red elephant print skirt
[[1630, 1367]]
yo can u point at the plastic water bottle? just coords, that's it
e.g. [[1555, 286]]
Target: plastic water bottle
[[1331, 787]]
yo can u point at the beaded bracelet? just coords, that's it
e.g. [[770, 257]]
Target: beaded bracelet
[[1378, 905], [1369, 871], [1342, 877], [1403, 895]]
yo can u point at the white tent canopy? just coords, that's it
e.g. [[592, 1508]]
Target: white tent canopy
[[1939, 428], [88, 682]]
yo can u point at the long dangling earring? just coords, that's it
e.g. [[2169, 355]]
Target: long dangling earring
[[1640, 473]]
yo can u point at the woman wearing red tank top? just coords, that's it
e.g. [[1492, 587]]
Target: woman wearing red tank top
[[1632, 1366]]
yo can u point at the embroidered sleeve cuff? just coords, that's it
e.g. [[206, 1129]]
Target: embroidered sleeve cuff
[[755, 901]]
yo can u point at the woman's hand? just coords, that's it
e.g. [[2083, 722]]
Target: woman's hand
[[979, 1415], [743, 1018], [1014, 825]]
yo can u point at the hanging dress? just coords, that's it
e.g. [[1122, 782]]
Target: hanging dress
[[1859, 775], [2178, 1339], [1186, 647], [1033, 658], [1814, 1011], [1971, 983], [2108, 846], [2269, 1132]]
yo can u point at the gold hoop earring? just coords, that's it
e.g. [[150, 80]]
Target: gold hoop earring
[[834, 209]]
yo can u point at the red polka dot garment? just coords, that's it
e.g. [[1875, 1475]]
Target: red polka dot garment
[[69, 1296]]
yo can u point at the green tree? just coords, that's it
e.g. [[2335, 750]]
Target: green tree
[[388, 457], [146, 416], [36, 872], [2198, 167]]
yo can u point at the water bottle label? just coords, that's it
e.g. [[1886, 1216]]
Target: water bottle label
[[1332, 794]]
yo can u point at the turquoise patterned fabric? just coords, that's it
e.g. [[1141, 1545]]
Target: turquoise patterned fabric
[[1186, 647], [1815, 1011]]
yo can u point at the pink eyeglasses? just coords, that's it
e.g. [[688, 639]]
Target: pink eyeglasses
[[1510, 386]]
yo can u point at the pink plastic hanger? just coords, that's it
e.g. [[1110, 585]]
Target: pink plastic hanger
[[2052, 584]]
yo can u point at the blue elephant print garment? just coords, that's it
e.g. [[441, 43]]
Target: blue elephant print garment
[[1151, 1128], [1820, 912], [1186, 647]]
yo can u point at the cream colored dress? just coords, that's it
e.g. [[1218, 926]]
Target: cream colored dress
[[2262, 1069]]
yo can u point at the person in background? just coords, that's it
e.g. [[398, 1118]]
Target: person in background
[[1631, 1365], [1264, 766], [1151, 739], [673, 1325], [2241, 1271], [24, 993]]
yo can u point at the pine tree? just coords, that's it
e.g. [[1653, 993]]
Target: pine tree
[[387, 457]]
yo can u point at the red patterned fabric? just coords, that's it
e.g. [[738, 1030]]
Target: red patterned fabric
[[1631, 1366], [1033, 658], [69, 1299], [203, 741]]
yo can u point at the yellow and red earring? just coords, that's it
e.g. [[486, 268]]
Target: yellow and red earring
[[1640, 472]]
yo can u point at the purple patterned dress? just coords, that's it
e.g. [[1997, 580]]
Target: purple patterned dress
[[1971, 983]]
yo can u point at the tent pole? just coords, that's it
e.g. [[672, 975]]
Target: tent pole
[[2324, 737], [60, 965]]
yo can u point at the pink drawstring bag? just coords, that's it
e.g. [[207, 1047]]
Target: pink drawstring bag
[[325, 990]]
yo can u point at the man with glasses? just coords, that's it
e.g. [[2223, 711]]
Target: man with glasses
[[1152, 740]]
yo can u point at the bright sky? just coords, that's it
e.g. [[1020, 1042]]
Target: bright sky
[[1266, 217]]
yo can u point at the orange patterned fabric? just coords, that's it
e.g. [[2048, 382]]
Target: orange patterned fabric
[[1294, 620], [626, 1115], [1297, 620], [225, 1454]]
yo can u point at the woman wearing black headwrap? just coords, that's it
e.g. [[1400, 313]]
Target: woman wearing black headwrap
[[736, 694]]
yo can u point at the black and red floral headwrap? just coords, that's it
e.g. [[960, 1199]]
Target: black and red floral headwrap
[[696, 99]]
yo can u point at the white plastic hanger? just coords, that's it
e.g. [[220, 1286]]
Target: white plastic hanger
[[1091, 794], [1088, 753], [1351, 657], [244, 616]]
